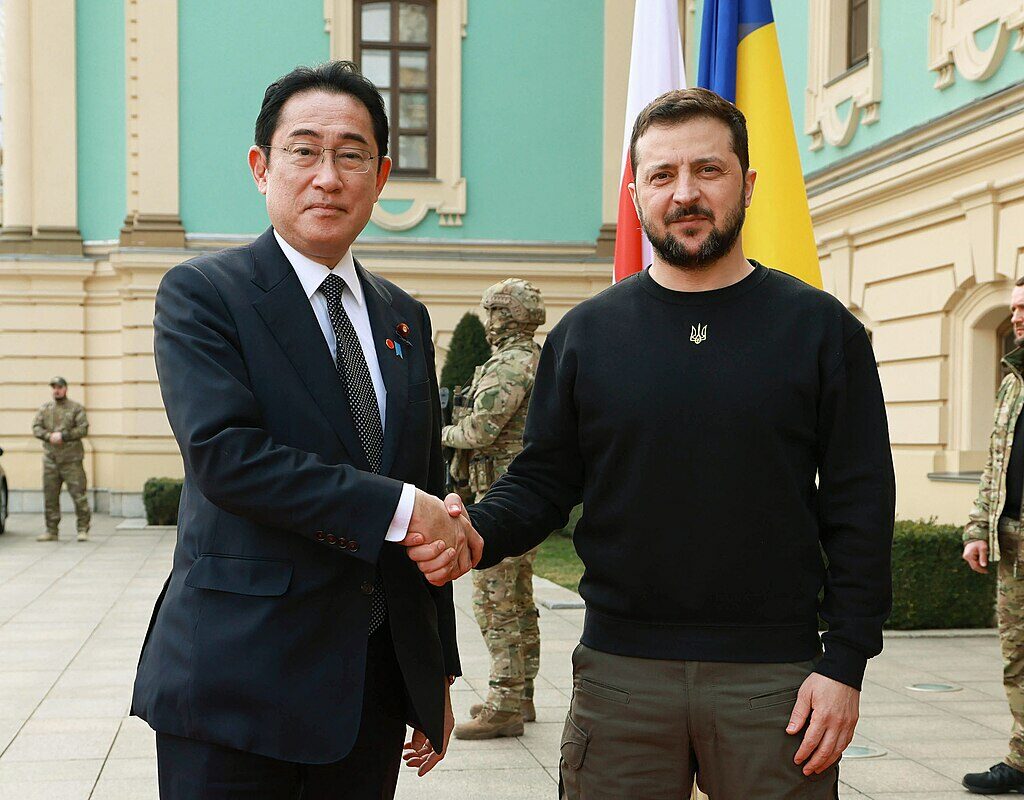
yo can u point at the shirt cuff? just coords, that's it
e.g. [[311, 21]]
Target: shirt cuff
[[399, 527]]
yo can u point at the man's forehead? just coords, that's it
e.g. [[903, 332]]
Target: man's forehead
[[328, 111], [1017, 296], [693, 138]]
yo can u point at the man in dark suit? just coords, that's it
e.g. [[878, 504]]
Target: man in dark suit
[[294, 638]]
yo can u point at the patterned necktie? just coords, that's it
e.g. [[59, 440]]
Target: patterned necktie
[[362, 399]]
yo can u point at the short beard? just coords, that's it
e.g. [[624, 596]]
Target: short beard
[[1018, 342], [714, 247]]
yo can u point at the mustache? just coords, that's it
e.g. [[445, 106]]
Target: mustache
[[689, 211]]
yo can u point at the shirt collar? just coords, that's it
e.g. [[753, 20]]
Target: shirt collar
[[311, 274]]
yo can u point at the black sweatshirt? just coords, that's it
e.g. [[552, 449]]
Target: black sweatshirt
[[692, 426]]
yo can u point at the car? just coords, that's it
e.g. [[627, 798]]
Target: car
[[3, 497]]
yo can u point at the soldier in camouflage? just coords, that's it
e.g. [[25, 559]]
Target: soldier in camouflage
[[993, 533], [61, 424], [487, 433]]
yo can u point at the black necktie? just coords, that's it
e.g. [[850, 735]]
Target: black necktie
[[362, 399]]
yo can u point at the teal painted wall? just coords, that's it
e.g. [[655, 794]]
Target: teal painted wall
[[531, 114], [908, 96], [532, 103], [229, 51], [99, 101]]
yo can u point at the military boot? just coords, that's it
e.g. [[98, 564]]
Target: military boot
[[83, 536], [47, 537], [525, 707], [1000, 779], [490, 724]]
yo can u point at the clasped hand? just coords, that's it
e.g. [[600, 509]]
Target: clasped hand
[[441, 539]]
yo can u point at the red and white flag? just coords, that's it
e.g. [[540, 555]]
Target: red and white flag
[[655, 67]]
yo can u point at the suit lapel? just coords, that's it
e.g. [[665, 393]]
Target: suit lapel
[[286, 311], [384, 322]]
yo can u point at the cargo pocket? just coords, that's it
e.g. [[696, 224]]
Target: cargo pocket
[[573, 751]]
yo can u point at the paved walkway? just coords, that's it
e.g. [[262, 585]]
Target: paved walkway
[[72, 618]]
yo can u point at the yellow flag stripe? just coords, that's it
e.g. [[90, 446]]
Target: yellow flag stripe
[[778, 230]]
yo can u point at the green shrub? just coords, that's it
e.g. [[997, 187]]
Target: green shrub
[[467, 351], [932, 586], [161, 497]]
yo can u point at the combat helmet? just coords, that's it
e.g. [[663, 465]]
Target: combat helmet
[[520, 297]]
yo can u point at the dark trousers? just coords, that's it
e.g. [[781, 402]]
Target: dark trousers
[[193, 770], [644, 728]]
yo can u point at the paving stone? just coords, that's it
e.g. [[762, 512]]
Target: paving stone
[[72, 619]]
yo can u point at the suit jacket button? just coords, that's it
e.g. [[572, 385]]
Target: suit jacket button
[[319, 536], [331, 539], [366, 588], [353, 546], [342, 541]]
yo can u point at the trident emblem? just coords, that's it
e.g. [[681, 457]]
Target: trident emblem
[[698, 333]]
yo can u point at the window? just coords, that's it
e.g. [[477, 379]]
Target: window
[[856, 33], [440, 187], [844, 70], [395, 48]]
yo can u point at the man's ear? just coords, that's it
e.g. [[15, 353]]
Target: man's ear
[[382, 175], [258, 165], [748, 186], [633, 197]]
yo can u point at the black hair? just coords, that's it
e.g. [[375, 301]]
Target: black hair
[[340, 77]]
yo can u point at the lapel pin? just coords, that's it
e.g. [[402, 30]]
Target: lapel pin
[[390, 344], [393, 345], [403, 330]]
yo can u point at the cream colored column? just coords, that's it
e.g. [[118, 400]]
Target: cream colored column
[[151, 51], [618, 33], [16, 234], [54, 129]]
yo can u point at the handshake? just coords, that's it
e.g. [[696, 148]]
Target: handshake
[[441, 539]]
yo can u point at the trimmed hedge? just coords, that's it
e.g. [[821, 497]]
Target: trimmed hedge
[[161, 497], [932, 585], [467, 351]]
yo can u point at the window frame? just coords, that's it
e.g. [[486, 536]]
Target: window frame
[[852, 8], [395, 48]]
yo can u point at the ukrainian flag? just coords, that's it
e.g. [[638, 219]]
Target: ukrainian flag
[[740, 60]]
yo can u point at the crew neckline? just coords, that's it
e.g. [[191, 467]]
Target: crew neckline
[[709, 296]]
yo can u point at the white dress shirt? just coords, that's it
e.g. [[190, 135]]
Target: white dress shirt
[[311, 275]]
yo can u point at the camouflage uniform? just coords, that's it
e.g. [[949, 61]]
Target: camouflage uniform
[[486, 437], [1003, 537], [63, 462]]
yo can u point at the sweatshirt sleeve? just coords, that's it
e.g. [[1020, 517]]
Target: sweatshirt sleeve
[[856, 510], [545, 480]]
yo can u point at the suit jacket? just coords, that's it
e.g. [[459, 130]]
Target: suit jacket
[[258, 640]]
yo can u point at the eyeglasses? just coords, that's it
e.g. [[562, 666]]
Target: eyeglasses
[[306, 156]]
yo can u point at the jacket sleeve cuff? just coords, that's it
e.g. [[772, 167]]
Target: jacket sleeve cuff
[[842, 663]]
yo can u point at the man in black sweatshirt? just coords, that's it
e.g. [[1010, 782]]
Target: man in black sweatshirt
[[723, 425]]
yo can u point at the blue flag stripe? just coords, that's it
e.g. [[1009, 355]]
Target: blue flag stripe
[[726, 22]]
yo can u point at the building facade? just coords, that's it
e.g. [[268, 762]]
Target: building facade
[[126, 124]]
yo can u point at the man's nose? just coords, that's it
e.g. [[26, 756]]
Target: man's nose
[[327, 176], [686, 190]]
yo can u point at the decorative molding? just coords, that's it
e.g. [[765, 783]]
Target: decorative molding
[[839, 248], [445, 194], [981, 208], [952, 30], [829, 87]]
